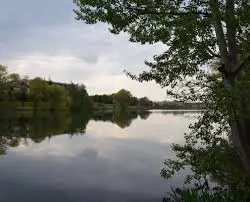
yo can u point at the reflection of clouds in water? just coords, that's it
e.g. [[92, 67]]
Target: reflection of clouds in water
[[158, 128], [107, 162], [59, 146], [127, 167]]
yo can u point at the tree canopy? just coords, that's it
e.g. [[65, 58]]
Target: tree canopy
[[41, 94], [122, 98], [195, 32]]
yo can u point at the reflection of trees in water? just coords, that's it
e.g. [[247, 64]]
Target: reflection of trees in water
[[6, 142], [144, 114], [122, 117], [179, 112], [41, 126]]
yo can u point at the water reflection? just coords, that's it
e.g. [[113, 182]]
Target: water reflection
[[46, 125], [39, 127], [123, 118], [80, 157]]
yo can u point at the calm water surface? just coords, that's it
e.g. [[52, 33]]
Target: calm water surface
[[99, 158]]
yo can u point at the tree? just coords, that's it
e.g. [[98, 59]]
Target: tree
[[58, 97], [134, 101], [13, 86], [3, 80], [38, 91], [79, 97], [196, 34], [122, 99], [105, 99], [145, 102], [24, 90]]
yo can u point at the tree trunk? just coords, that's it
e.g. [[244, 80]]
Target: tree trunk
[[240, 126], [240, 118], [241, 140]]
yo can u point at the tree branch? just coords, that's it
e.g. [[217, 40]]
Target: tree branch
[[172, 13], [213, 53], [231, 31], [214, 4]]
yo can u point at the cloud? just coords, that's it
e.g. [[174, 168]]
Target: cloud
[[43, 39], [113, 83]]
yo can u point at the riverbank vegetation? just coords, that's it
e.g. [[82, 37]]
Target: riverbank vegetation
[[22, 94], [108, 101]]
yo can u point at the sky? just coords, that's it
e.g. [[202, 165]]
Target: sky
[[43, 39]]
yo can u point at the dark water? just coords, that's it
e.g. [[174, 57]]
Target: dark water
[[103, 157]]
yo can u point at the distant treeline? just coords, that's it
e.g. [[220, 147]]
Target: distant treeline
[[177, 105], [123, 97], [39, 94], [144, 102]]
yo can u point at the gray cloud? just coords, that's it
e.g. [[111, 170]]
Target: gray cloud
[[42, 38]]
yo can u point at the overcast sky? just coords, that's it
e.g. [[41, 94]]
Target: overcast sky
[[42, 38]]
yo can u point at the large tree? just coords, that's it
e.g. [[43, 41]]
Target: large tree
[[122, 99], [197, 33], [3, 80]]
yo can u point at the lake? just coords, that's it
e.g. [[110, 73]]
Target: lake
[[102, 157]]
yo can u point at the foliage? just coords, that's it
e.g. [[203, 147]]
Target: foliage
[[122, 99], [3, 78], [187, 28], [80, 99], [145, 102], [45, 95], [201, 194], [105, 99], [209, 150], [17, 87], [42, 92], [38, 91], [58, 97]]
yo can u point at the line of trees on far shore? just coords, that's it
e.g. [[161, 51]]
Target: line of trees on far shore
[[39, 94], [123, 98]]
